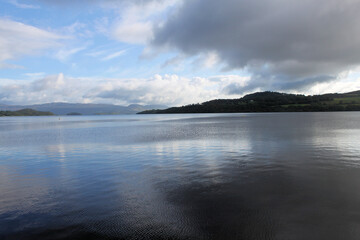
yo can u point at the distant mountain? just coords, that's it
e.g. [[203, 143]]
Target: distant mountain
[[273, 102], [83, 109], [25, 112]]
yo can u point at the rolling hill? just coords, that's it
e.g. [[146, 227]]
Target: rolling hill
[[25, 112], [272, 102]]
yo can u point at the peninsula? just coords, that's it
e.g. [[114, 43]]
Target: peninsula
[[272, 102], [25, 112]]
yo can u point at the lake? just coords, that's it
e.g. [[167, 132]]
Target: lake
[[196, 176]]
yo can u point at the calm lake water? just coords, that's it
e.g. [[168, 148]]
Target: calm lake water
[[210, 176]]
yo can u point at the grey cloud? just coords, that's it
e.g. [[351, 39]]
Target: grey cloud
[[304, 83], [278, 40], [174, 61], [277, 83]]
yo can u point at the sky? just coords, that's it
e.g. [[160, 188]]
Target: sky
[[175, 52]]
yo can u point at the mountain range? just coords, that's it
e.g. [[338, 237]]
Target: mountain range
[[83, 109]]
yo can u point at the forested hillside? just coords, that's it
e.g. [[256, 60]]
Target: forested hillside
[[273, 102]]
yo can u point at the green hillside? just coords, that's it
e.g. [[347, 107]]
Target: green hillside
[[25, 112], [273, 102]]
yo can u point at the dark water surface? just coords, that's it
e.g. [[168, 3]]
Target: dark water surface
[[212, 176]]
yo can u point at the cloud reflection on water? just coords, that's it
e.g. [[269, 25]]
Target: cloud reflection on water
[[252, 176]]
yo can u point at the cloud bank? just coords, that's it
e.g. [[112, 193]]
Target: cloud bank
[[284, 44], [171, 90]]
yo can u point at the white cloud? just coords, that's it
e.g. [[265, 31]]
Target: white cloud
[[78, 30], [177, 62], [136, 32], [52, 88], [35, 75], [166, 89], [18, 39], [65, 54], [137, 20], [52, 83], [105, 54], [171, 90], [206, 60], [23, 5], [350, 82], [114, 55], [9, 66], [96, 53], [210, 60]]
